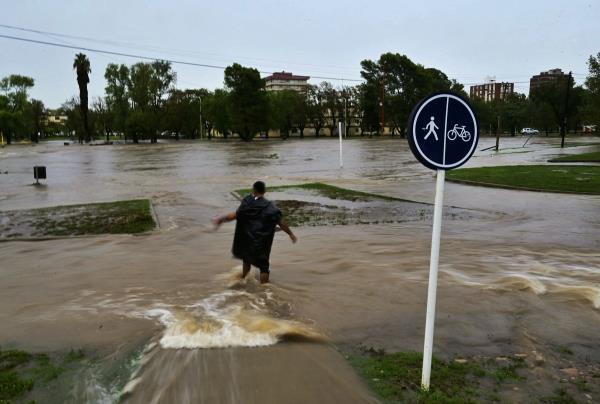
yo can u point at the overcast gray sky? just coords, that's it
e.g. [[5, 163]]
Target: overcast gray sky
[[467, 39]]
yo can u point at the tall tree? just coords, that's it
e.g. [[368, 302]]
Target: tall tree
[[149, 83], [285, 107], [514, 112], [353, 110], [331, 104], [117, 97], [486, 114], [370, 96], [36, 110], [395, 83], [315, 108], [82, 65], [368, 100], [300, 111], [14, 106], [16, 88], [139, 121], [592, 83], [216, 113], [74, 124], [247, 100], [562, 98], [541, 116], [182, 114], [347, 110], [103, 116]]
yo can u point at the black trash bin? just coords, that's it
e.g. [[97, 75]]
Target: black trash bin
[[39, 173]]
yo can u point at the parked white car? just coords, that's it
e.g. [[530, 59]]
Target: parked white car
[[589, 128], [529, 131]]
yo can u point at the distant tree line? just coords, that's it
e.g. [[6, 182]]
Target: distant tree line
[[142, 103]]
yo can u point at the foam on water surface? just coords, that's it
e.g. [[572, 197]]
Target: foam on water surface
[[232, 318], [541, 275]]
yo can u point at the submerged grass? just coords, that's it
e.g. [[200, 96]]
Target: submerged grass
[[562, 350], [553, 178], [326, 190], [509, 372], [301, 213], [12, 383], [560, 396], [120, 217], [373, 208], [21, 371], [340, 206]]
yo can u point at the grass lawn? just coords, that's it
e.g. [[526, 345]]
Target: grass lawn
[[396, 377], [550, 178], [579, 144], [121, 217], [593, 157]]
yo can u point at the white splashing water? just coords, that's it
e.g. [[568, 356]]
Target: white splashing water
[[226, 319]]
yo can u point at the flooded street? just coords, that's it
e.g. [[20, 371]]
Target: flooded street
[[522, 275]]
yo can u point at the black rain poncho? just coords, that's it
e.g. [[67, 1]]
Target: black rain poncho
[[254, 231]]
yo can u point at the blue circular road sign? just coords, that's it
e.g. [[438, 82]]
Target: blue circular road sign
[[443, 131]]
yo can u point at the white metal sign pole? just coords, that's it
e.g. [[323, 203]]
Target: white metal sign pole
[[433, 275], [340, 133]]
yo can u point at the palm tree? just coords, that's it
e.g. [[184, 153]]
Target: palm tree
[[82, 65]]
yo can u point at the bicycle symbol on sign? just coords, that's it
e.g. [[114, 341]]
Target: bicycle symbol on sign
[[459, 131]]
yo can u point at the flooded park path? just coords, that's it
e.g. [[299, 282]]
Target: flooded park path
[[524, 275]]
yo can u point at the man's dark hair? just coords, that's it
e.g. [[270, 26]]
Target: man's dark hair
[[259, 187]]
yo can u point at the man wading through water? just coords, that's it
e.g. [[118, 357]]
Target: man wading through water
[[257, 219]]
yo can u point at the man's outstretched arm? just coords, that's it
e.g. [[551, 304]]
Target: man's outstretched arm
[[289, 231], [217, 221]]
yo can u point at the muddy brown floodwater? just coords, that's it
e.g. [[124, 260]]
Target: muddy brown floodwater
[[521, 275]]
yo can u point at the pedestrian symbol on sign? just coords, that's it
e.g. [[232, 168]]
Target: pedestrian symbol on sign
[[431, 126]]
